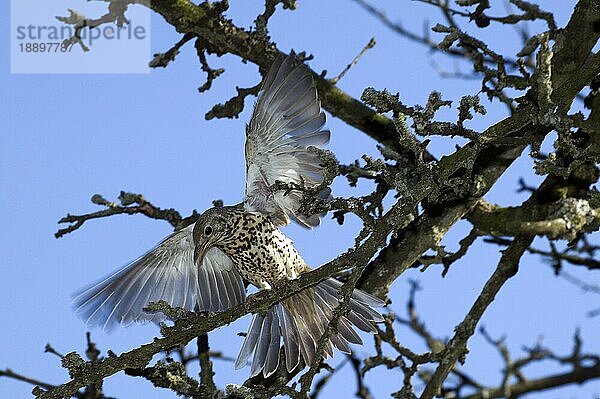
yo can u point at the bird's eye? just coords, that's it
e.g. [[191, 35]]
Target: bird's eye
[[207, 230]]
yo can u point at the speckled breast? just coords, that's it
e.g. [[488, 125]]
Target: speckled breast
[[261, 253]]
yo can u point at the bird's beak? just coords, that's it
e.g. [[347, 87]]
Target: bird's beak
[[199, 252]]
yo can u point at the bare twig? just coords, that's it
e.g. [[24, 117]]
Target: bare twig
[[368, 46], [130, 204], [11, 374], [163, 59]]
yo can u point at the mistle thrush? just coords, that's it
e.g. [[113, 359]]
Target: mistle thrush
[[204, 266]]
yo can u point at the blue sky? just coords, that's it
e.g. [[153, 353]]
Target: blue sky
[[68, 136]]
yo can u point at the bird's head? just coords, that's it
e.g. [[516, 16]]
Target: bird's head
[[210, 230]]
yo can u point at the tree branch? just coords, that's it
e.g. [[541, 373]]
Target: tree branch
[[206, 371], [456, 349], [130, 204]]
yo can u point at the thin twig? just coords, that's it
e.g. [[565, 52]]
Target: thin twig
[[368, 46], [130, 204], [11, 374], [163, 59]]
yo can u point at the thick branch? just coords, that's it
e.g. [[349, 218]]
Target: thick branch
[[579, 375], [555, 220], [429, 228], [404, 250]]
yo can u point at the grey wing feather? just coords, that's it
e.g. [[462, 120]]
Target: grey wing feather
[[287, 119], [250, 341], [166, 273], [345, 330], [262, 346], [263, 338], [341, 343], [323, 316], [307, 340], [357, 319], [272, 360], [290, 340], [357, 294]]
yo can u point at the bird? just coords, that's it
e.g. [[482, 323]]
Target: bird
[[206, 265]]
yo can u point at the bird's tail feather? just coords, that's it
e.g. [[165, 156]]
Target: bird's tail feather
[[300, 321]]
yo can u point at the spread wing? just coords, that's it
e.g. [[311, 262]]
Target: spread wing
[[287, 119], [167, 272]]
